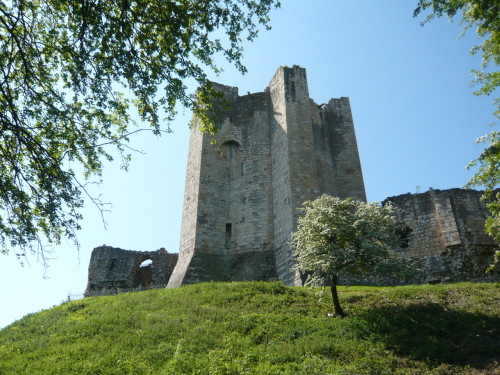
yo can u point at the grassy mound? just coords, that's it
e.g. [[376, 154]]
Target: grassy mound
[[262, 328]]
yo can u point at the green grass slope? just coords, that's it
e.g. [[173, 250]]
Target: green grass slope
[[262, 328]]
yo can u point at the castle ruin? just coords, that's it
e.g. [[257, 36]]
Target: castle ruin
[[113, 270], [447, 240], [274, 150]]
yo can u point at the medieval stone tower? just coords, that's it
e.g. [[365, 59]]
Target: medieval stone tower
[[275, 149]]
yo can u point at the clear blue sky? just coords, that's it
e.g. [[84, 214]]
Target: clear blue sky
[[415, 116]]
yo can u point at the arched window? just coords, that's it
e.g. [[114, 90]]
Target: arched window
[[230, 149]]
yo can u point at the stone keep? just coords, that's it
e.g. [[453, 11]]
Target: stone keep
[[274, 150]]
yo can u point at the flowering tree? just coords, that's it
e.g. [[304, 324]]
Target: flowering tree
[[344, 236]]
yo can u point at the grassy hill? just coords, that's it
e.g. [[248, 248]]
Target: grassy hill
[[262, 328]]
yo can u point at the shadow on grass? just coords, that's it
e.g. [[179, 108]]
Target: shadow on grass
[[429, 332]]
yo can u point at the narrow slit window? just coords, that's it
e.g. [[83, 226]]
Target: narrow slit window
[[229, 231]]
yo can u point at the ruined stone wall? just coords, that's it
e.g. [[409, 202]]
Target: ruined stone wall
[[447, 238], [113, 270], [274, 150], [446, 241]]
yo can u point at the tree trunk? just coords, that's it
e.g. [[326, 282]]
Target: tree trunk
[[335, 297]]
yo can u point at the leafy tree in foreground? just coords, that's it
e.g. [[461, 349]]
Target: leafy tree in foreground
[[484, 15], [488, 176], [64, 69], [336, 237]]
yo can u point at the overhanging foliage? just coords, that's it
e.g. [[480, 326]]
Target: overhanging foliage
[[70, 74]]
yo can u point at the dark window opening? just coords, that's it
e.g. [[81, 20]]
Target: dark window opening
[[228, 235], [404, 233], [111, 264]]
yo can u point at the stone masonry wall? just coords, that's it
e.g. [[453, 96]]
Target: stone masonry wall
[[274, 150], [283, 96], [243, 194], [233, 217], [446, 241], [447, 238], [190, 210], [345, 173], [113, 270]]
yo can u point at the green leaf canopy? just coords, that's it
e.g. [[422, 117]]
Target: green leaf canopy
[[64, 68]]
